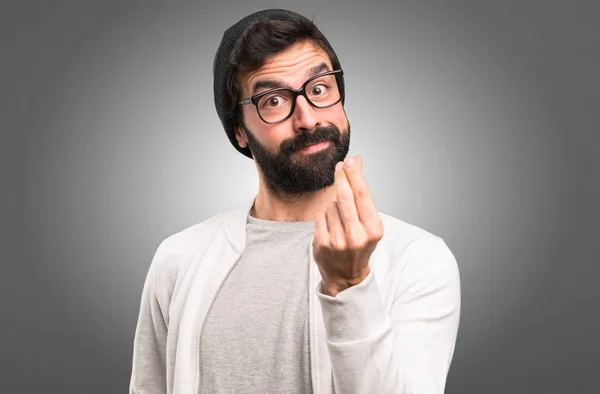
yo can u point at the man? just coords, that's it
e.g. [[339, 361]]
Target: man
[[306, 288]]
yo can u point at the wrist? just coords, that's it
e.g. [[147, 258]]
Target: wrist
[[332, 287]]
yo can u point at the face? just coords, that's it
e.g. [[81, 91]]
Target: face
[[299, 154]]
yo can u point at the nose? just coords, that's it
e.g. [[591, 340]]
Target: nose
[[304, 116]]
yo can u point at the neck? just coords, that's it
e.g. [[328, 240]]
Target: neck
[[290, 208]]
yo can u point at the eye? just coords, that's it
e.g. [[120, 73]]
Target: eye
[[318, 89], [272, 101]]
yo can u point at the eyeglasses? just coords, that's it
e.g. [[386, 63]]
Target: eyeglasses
[[276, 105]]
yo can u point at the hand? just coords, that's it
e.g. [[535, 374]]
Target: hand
[[348, 231]]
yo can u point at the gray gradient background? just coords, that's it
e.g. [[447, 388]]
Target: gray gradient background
[[477, 121]]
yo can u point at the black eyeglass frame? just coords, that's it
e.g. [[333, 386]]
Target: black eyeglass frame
[[295, 93]]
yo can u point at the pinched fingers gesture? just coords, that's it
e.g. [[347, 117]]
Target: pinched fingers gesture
[[348, 231]]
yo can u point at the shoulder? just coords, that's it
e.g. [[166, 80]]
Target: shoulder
[[407, 248], [399, 234], [191, 239], [394, 228], [177, 251]]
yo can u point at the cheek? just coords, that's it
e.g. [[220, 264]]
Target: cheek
[[341, 119], [250, 116], [255, 125], [269, 136], [276, 134]]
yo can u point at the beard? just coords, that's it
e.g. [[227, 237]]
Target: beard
[[289, 172]]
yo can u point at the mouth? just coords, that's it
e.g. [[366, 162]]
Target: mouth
[[315, 147]]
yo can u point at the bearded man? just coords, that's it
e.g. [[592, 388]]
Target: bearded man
[[307, 287]]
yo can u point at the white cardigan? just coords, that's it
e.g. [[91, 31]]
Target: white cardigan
[[394, 332]]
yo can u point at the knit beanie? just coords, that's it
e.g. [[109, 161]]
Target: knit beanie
[[222, 66]]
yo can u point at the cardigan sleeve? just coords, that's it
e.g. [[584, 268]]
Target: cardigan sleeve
[[405, 347], [148, 374]]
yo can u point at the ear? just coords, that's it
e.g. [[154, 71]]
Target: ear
[[240, 136]]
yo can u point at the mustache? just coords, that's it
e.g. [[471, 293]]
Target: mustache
[[305, 139]]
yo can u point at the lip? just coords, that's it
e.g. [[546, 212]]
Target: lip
[[315, 147]]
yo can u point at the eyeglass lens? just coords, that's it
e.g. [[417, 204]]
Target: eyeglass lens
[[276, 106]]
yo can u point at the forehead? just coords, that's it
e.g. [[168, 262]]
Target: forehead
[[290, 66]]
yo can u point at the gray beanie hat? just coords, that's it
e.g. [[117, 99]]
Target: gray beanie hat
[[222, 66]]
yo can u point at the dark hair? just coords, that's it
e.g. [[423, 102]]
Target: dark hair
[[266, 38]]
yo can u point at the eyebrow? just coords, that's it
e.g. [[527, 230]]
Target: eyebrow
[[277, 83]]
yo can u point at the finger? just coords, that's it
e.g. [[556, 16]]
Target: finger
[[365, 206], [321, 230], [337, 236], [345, 198]]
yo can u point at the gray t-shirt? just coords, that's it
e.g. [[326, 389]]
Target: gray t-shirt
[[256, 335]]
